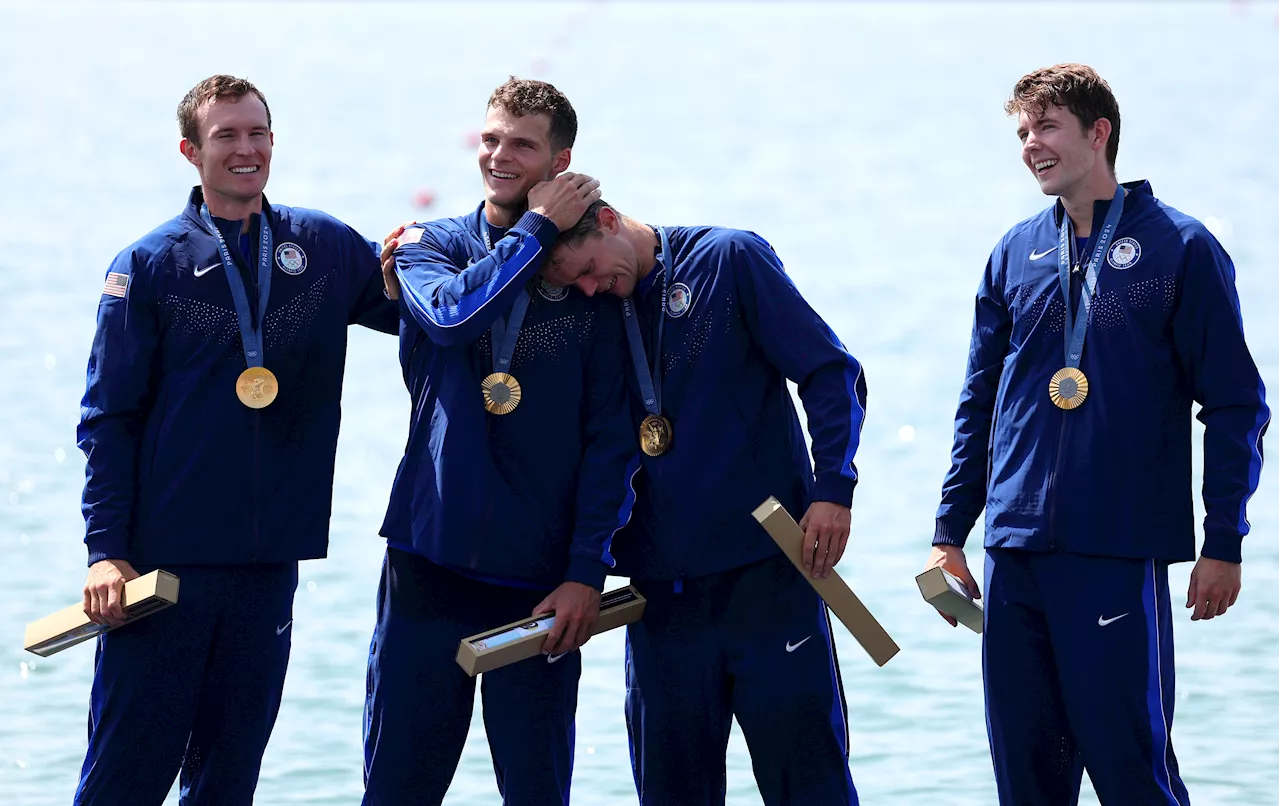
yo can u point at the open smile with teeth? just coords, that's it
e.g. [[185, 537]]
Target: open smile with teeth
[[1044, 165], [612, 280], [247, 169], [501, 174]]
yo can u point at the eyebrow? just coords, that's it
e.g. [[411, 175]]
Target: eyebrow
[[255, 128], [517, 140], [1040, 121]]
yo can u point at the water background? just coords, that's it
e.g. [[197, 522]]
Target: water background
[[866, 141]]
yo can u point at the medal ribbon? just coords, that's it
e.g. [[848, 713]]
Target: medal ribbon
[[250, 336], [650, 383], [1077, 323], [504, 336]]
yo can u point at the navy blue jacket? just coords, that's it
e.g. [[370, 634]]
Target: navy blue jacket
[[736, 330], [535, 496], [1112, 477], [178, 470]]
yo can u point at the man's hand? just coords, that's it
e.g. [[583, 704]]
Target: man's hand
[[826, 531], [1215, 584], [951, 558], [564, 198], [391, 283], [577, 609], [104, 591]]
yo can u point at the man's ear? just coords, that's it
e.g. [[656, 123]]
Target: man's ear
[[608, 221], [190, 150], [561, 163], [1101, 134]]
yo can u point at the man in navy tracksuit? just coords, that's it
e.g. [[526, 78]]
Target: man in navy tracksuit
[[209, 422], [1097, 323], [731, 629], [515, 477]]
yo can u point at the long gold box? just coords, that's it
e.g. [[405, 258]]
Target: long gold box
[[946, 592], [834, 591], [143, 596], [520, 640]]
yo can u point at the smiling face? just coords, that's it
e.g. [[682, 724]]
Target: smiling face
[[603, 262], [598, 264], [516, 154], [233, 154], [1060, 151]]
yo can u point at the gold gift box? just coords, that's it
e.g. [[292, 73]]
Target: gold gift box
[[848, 608], [143, 596], [946, 592], [523, 639]]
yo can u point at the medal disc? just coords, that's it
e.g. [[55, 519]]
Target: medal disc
[[257, 387], [1068, 388], [501, 393], [656, 435]]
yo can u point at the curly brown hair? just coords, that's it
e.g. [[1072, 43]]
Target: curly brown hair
[[219, 86], [524, 96], [1078, 88]]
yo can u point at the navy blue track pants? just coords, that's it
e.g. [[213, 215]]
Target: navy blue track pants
[[753, 643], [1077, 659], [191, 692], [419, 703]]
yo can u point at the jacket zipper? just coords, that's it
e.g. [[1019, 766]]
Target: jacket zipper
[[257, 477], [1053, 477]]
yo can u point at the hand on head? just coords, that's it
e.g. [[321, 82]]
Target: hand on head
[[564, 198]]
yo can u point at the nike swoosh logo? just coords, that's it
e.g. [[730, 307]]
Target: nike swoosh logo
[[205, 270], [1037, 255], [554, 658], [1102, 622], [280, 630], [793, 647]]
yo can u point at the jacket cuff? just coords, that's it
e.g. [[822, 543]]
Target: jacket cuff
[[1222, 545], [587, 571], [540, 227], [949, 534], [107, 547], [834, 488]]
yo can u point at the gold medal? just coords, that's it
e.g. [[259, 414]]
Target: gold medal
[[656, 435], [501, 393], [257, 387], [1068, 388]]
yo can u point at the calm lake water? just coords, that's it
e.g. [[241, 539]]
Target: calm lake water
[[865, 141]]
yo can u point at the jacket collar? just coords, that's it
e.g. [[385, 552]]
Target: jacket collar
[[1139, 188], [196, 200]]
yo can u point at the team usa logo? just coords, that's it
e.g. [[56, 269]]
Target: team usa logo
[[1124, 254], [291, 259], [553, 293], [679, 299]]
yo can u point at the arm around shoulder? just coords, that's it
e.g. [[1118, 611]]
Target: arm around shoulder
[[454, 301]]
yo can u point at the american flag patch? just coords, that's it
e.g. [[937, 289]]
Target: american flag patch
[[117, 284]]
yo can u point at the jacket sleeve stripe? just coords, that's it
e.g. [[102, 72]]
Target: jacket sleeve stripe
[[856, 387], [446, 315], [624, 510], [1255, 457]]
